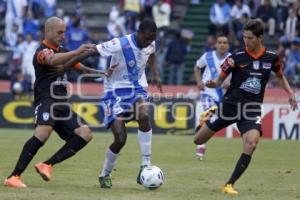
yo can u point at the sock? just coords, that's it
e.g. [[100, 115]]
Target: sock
[[200, 149], [29, 150], [109, 163], [145, 141], [240, 167], [71, 147]]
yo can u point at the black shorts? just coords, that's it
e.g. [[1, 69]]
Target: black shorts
[[59, 115], [245, 117]]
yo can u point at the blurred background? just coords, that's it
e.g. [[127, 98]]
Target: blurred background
[[187, 28]]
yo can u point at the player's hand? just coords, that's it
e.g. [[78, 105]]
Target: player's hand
[[210, 84], [85, 47], [293, 102], [200, 86], [110, 70], [156, 80]]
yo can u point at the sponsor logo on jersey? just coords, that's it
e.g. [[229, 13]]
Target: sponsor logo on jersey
[[230, 62], [252, 85], [114, 41], [266, 65]]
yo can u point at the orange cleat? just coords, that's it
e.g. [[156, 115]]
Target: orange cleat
[[15, 182], [44, 170]]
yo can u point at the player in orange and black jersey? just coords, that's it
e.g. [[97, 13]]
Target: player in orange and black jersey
[[250, 68], [51, 110]]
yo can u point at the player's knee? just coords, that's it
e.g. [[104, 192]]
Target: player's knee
[[86, 133], [121, 140], [251, 145], [43, 132]]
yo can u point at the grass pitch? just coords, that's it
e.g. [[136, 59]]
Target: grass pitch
[[273, 173]]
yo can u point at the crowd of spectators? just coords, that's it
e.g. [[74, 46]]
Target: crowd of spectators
[[23, 32], [282, 24]]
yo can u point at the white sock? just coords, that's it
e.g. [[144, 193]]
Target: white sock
[[200, 150], [145, 141], [201, 146], [109, 163]]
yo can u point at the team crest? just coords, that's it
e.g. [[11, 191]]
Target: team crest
[[131, 63], [256, 65], [46, 116]]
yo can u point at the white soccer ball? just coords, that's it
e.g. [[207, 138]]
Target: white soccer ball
[[152, 177], [17, 87]]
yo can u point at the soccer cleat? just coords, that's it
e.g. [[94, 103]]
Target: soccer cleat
[[138, 179], [44, 170], [228, 189], [15, 182], [204, 116], [105, 181]]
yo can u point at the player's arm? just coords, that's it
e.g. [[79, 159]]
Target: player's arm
[[285, 85], [72, 63], [154, 71], [54, 59], [87, 70], [197, 75], [226, 69], [200, 63]]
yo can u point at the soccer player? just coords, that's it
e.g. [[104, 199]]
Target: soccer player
[[51, 109], [125, 95], [210, 63], [250, 68]]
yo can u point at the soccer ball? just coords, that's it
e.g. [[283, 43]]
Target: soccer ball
[[17, 87], [152, 177]]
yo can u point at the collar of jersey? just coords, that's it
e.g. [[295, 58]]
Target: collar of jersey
[[256, 55], [45, 42]]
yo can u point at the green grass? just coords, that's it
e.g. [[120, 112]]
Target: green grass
[[273, 173]]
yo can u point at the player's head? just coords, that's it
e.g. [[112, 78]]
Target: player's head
[[55, 29], [146, 33], [222, 44], [253, 32]]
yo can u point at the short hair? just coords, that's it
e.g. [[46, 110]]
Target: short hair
[[147, 25], [221, 34], [256, 26]]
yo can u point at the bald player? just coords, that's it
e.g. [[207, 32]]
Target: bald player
[[52, 111]]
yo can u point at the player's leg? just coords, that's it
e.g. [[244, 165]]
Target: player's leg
[[206, 107], [76, 134], [30, 148], [120, 137], [251, 131], [44, 123], [144, 134]]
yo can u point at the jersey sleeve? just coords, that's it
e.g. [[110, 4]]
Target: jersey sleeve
[[227, 66], [278, 66], [201, 63], [109, 48], [43, 55]]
